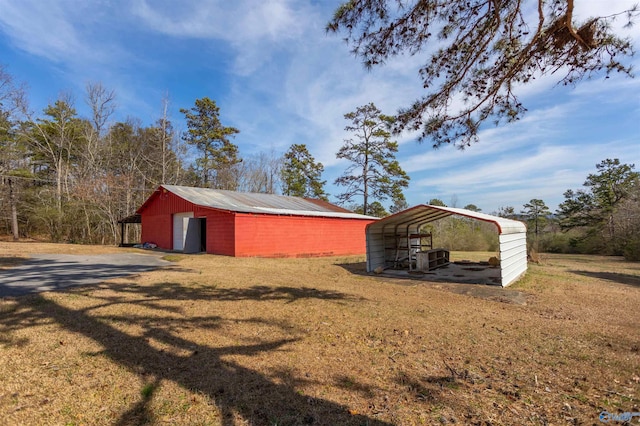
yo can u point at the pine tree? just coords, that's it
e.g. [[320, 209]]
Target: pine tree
[[301, 174], [211, 139], [374, 172]]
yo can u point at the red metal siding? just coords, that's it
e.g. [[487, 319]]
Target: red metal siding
[[157, 229], [164, 202], [220, 232], [298, 236]]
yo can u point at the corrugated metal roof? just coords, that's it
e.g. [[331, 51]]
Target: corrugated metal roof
[[247, 202], [426, 213]]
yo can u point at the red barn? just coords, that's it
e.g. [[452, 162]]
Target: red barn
[[246, 224]]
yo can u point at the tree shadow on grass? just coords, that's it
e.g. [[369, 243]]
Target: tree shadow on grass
[[290, 294], [429, 388], [160, 352], [140, 413], [176, 291], [350, 383], [626, 279]]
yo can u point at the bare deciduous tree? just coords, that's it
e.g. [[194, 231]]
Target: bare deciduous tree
[[260, 173], [12, 161]]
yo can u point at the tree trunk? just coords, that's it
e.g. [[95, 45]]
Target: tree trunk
[[14, 212], [365, 185], [59, 185]]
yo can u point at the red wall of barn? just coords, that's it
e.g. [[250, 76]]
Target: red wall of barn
[[157, 223], [298, 236], [157, 229], [220, 232]]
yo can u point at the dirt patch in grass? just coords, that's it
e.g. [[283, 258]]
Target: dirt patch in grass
[[223, 341]]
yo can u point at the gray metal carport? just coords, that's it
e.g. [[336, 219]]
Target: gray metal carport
[[512, 236]]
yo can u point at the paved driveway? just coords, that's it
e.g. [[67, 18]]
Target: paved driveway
[[50, 272]]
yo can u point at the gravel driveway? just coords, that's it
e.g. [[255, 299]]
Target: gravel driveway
[[50, 272]]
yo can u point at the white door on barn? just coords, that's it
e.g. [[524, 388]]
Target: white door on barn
[[180, 226]]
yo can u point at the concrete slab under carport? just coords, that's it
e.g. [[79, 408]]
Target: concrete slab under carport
[[458, 272], [479, 284]]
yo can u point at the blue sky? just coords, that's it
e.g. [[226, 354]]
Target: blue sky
[[281, 80]]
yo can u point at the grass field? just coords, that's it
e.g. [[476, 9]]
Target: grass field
[[215, 340]]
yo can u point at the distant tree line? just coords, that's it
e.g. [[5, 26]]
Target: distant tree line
[[460, 233], [71, 178], [603, 217]]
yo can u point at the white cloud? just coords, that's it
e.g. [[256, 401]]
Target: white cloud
[[516, 177], [533, 129], [255, 30], [235, 21], [72, 33], [40, 28], [589, 8]]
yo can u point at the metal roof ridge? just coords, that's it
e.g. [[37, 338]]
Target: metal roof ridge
[[255, 202]]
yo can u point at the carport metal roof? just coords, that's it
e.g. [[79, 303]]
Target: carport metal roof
[[424, 213]]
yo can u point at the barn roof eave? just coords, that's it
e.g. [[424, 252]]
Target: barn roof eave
[[253, 203]]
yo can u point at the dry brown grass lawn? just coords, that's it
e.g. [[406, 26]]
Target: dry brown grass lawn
[[224, 341]]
